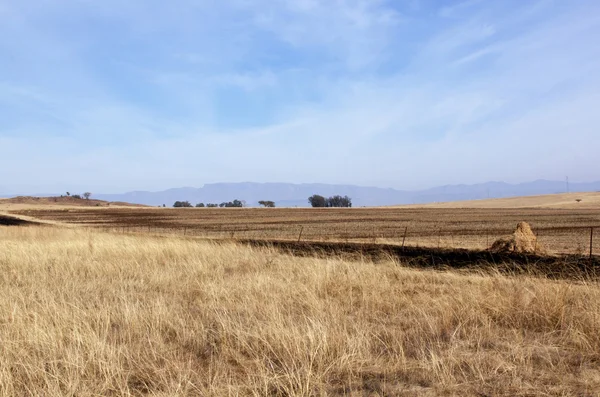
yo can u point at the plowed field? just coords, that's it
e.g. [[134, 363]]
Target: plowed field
[[559, 230]]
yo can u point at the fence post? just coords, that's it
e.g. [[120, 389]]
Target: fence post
[[300, 235], [404, 237], [591, 242]]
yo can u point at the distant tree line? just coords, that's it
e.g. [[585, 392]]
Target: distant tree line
[[187, 204], [317, 201], [86, 195], [267, 204]]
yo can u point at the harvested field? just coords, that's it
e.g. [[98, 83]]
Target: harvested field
[[588, 200], [560, 231]]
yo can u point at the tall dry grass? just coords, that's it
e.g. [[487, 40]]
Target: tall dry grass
[[87, 313]]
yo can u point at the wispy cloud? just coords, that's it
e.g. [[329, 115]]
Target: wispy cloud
[[147, 95]]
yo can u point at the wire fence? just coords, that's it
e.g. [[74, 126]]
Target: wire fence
[[554, 240]]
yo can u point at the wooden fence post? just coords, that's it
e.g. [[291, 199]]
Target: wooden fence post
[[300, 235], [404, 237], [591, 242]]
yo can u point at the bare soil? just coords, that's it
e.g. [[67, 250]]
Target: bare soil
[[12, 221]]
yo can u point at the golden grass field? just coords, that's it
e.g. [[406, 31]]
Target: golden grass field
[[91, 313], [589, 200]]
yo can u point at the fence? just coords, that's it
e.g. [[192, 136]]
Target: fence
[[555, 240]]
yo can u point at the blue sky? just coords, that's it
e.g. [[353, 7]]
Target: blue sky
[[111, 96]]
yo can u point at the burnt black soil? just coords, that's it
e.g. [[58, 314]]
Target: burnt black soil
[[10, 221], [566, 266]]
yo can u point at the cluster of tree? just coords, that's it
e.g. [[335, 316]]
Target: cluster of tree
[[333, 201], [234, 203], [267, 204], [187, 204], [85, 195], [209, 205]]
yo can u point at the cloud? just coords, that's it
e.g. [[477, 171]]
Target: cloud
[[155, 95]]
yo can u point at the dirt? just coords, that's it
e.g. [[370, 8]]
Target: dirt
[[10, 221], [565, 266]]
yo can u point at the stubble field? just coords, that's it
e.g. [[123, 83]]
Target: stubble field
[[560, 231]]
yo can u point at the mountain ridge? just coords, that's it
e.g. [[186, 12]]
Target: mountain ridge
[[290, 195]]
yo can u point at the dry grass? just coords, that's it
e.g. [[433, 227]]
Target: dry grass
[[90, 313], [588, 200], [41, 203]]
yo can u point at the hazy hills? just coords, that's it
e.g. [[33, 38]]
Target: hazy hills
[[287, 194]]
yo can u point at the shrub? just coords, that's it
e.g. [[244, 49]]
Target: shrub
[[339, 201], [333, 201], [317, 201]]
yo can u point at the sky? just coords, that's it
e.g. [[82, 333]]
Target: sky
[[111, 96]]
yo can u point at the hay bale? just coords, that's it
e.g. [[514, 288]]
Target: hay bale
[[522, 241]]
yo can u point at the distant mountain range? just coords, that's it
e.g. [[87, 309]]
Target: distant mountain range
[[296, 195], [292, 195]]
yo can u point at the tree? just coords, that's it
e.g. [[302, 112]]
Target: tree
[[68, 194], [200, 205], [339, 201], [212, 205], [267, 204], [87, 195], [317, 201], [182, 204], [76, 196], [333, 201], [229, 204]]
